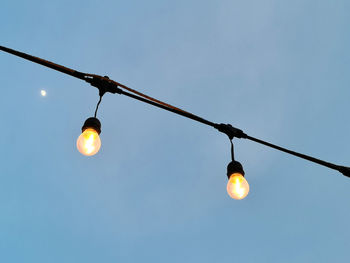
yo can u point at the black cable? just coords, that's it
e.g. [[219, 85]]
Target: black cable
[[104, 84], [98, 104], [115, 83], [182, 113], [232, 151], [45, 63], [300, 155]]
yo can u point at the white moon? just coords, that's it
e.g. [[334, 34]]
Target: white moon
[[43, 93]]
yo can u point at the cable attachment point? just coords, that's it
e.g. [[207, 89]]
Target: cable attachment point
[[104, 84], [230, 131], [344, 170]]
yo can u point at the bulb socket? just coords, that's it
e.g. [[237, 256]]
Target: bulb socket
[[234, 167], [92, 123]]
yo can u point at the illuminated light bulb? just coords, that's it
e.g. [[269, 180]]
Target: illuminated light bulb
[[89, 142], [237, 185]]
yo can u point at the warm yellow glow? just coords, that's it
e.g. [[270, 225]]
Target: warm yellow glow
[[237, 186], [89, 142]]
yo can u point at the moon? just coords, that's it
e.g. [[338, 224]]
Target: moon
[[43, 93]]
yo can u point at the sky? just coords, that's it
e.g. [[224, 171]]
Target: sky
[[156, 191]]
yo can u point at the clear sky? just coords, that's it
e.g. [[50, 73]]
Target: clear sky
[[156, 191]]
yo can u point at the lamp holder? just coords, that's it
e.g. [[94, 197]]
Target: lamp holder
[[234, 167], [92, 123]]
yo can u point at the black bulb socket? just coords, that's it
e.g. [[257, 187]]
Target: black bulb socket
[[234, 167], [92, 123]]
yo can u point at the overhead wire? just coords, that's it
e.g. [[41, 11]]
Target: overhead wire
[[104, 84]]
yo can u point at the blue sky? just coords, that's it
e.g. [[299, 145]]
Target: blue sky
[[156, 191]]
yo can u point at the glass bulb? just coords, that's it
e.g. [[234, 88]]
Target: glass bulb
[[237, 186], [89, 142]]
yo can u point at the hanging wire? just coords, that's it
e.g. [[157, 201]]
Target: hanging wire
[[98, 104], [232, 151]]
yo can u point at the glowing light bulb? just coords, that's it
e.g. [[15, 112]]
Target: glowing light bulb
[[237, 186], [89, 142]]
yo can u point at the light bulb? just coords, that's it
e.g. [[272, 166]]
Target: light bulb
[[89, 142], [237, 186]]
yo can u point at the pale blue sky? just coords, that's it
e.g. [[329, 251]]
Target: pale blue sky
[[156, 191]]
